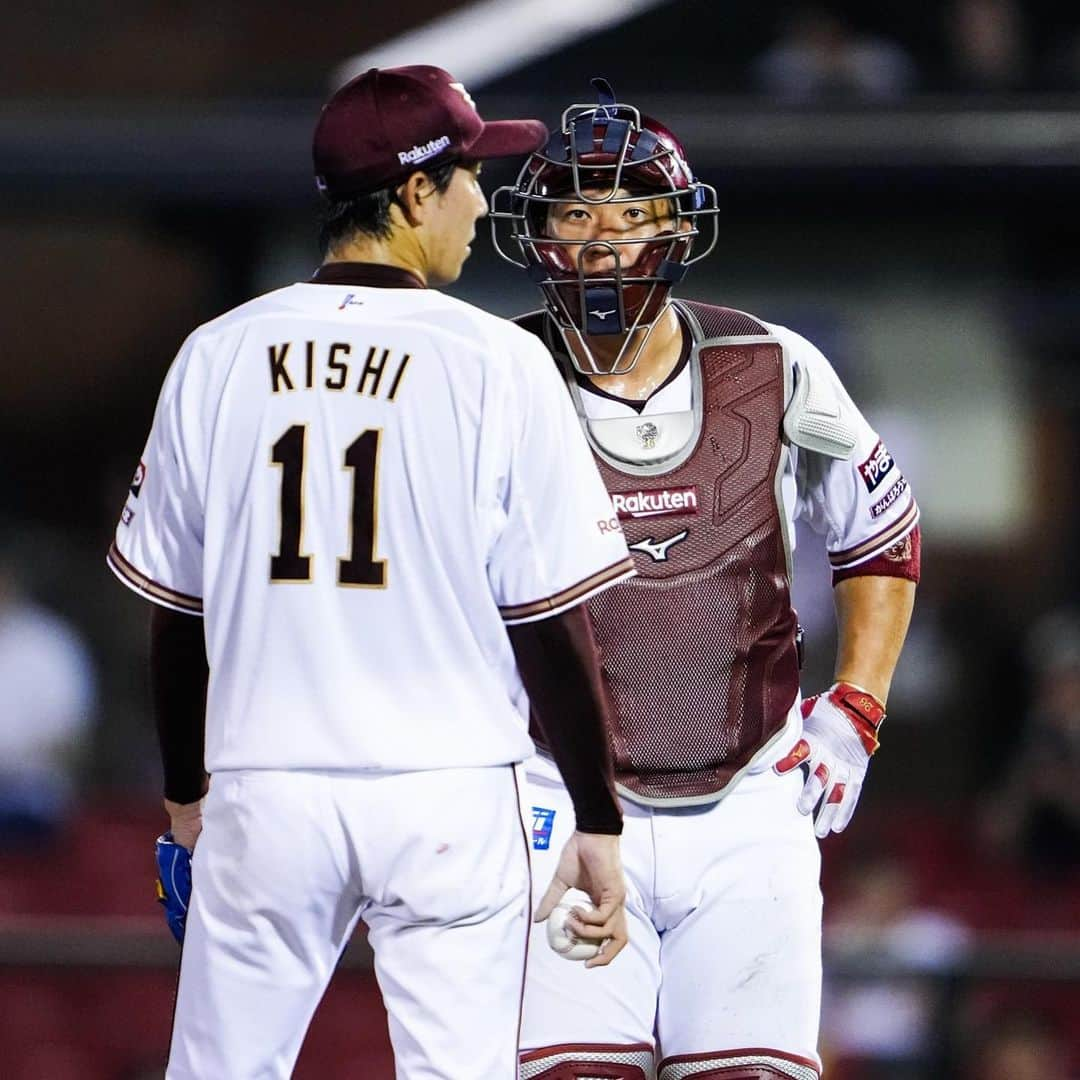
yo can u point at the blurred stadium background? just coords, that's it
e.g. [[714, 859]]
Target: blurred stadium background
[[899, 183]]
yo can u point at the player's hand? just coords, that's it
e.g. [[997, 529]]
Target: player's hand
[[591, 862], [185, 822], [840, 732]]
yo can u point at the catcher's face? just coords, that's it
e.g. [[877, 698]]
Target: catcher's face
[[588, 226]]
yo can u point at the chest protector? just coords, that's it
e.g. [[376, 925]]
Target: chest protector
[[698, 651]]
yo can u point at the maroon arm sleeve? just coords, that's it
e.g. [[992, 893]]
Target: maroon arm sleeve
[[178, 679], [903, 560], [557, 661]]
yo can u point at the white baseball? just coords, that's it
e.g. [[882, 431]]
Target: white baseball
[[561, 938]]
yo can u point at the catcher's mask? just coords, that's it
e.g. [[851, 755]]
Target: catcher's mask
[[604, 153]]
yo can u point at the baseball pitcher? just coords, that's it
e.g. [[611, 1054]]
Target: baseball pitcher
[[348, 495]]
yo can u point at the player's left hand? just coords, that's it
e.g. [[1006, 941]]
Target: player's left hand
[[840, 732], [185, 822], [592, 863]]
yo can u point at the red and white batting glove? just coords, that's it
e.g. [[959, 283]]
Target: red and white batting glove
[[840, 732]]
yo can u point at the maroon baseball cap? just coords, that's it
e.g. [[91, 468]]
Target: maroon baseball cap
[[389, 122]]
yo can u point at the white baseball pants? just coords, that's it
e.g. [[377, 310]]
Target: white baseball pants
[[724, 913], [436, 863]]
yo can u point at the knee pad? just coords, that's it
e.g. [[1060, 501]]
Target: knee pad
[[739, 1065], [588, 1061]]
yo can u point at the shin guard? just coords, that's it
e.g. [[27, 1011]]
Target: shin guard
[[589, 1061], [753, 1064]]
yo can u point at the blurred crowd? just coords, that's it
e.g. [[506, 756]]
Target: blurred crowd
[[824, 54], [48, 690], [798, 51]]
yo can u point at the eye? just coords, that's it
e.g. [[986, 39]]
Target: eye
[[635, 213], [576, 214]]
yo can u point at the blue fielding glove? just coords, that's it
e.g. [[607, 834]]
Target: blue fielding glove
[[174, 883]]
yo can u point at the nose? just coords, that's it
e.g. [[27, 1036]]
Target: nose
[[596, 251]]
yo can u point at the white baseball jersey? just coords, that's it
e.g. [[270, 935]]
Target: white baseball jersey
[[359, 488]]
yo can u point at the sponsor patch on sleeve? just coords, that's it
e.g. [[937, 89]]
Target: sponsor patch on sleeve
[[876, 467], [543, 820], [138, 478], [889, 498], [900, 552]]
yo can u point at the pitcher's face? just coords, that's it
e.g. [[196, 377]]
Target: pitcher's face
[[460, 205]]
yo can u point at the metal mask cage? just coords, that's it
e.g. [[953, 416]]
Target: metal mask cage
[[511, 204], [646, 170]]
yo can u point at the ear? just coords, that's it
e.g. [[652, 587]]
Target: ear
[[414, 197]]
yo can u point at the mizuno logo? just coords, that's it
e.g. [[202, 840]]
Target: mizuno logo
[[603, 314], [658, 549]]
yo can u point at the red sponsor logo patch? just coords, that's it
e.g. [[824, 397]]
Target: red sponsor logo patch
[[876, 467], [656, 502]]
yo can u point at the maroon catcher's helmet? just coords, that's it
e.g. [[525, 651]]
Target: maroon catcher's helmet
[[604, 153]]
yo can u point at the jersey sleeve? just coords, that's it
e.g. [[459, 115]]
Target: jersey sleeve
[[158, 547], [560, 540], [863, 505]]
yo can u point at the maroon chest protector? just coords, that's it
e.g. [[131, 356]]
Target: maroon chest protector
[[698, 651]]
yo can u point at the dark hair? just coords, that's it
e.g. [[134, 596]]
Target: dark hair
[[342, 218]]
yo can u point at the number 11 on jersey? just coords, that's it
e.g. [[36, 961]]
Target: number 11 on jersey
[[361, 569]]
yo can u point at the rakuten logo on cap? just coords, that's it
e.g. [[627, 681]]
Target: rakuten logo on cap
[[658, 502], [422, 153]]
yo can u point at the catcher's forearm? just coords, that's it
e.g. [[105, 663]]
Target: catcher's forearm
[[557, 661], [872, 616], [178, 678]]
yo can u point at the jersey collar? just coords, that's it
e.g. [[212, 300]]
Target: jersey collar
[[374, 275], [638, 404]]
